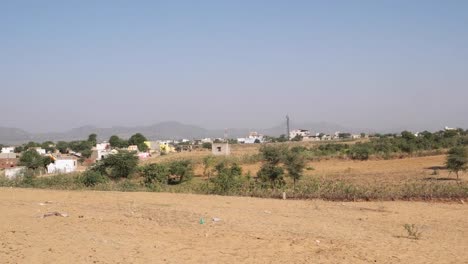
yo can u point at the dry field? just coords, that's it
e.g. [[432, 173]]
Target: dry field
[[112, 227], [353, 171]]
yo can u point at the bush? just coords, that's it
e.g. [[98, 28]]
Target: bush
[[359, 152], [91, 178], [154, 174], [271, 175], [180, 171], [207, 145], [120, 165], [228, 180]]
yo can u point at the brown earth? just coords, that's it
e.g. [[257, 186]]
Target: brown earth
[[112, 227]]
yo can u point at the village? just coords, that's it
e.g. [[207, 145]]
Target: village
[[68, 160]]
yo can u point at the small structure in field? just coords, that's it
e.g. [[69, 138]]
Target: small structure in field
[[220, 149]]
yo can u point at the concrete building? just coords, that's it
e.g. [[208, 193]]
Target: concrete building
[[41, 151], [8, 150], [299, 132], [220, 149], [8, 160], [12, 173], [101, 151], [63, 165], [132, 148]]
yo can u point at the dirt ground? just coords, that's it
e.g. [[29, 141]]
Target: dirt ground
[[112, 227]]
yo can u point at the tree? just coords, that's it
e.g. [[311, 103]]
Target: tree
[[180, 171], [360, 151], [273, 154], [62, 147], [295, 163], [270, 171], [207, 145], [31, 159], [139, 140], [228, 179], [49, 146], [31, 144], [155, 173], [457, 160], [136, 139], [120, 165], [19, 149], [272, 174], [92, 139]]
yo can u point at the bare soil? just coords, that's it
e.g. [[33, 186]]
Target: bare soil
[[112, 227]]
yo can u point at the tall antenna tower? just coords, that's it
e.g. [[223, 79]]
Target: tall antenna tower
[[287, 127]]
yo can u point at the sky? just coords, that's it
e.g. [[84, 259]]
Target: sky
[[377, 65]]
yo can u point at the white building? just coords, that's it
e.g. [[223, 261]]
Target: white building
[[252, 138], [14, 172], [102, 150], [63, 165], [41, 151], [299, 132], [206, 140], [8, 149], [103, 146]]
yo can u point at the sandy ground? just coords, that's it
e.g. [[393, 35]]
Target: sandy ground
[[112, 227]]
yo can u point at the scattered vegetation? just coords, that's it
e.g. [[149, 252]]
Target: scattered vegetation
[[413, 231], [457, 159]]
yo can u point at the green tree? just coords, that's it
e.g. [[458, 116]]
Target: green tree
[[92, 139], [62, 147], [92, 178], [31, 144], [180, 171], [19, 149], [139, 140], [271, 174], [457, 159], [228, 179], [155, 174], [49, 146], [295, 163], [31, 159], [120, 165], [207, 145], [273, 154]]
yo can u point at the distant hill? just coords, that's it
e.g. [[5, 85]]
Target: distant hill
[[163, 130]]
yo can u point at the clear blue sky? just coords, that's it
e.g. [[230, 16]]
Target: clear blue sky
[[369, 64]]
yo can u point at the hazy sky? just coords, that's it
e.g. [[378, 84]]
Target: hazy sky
[[368, 64]]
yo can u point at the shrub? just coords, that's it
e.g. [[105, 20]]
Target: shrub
[[207, 145], [359, 152], [180, 171], [271, 175], [154, 174], [457, 159], [91, 178], [228, 180], [120, 165]]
